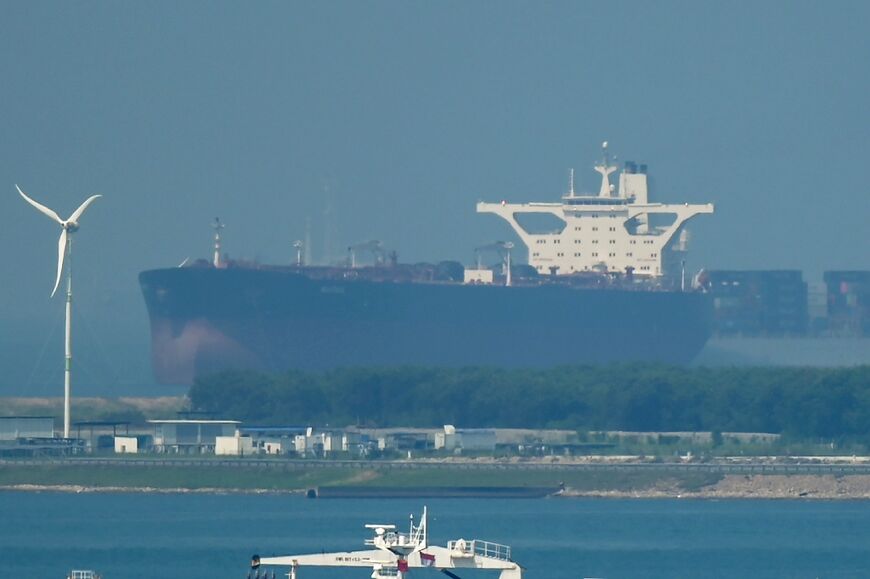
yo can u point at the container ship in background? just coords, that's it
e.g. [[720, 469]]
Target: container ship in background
[[605, 282]]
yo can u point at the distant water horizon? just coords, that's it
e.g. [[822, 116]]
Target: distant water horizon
[[129, 536]]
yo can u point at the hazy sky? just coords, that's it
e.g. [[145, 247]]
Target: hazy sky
[[396, 117]]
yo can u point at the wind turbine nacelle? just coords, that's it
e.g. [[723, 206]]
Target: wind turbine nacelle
[[71, 226]]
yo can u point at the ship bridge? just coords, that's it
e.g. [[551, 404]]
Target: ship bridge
[[614, 231]]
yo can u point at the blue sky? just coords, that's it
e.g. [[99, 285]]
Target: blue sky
[[396, 117]]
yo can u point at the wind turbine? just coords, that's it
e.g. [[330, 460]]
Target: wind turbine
[[64, 250]]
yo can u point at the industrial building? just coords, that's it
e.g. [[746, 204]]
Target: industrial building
[[273, 440], [15, 427], [32, 436], [191, 436], [465, 439]]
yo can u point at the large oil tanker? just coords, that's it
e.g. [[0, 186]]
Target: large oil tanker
[[604, 282]]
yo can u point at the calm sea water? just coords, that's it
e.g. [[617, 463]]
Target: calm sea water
[[126, 536]]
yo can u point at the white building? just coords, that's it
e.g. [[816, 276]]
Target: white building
[[234, 445], [319, 443], [126, 445], [446, 440]]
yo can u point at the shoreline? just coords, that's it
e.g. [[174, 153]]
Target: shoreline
[[82, 489], [730, 487]]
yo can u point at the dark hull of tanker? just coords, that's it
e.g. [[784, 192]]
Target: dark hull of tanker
[[205, 320]]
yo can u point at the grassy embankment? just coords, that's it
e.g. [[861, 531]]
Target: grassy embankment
[[300, 479]]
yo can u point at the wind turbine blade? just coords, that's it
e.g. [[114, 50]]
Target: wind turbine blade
[[78, 212], [61, 253], [40, 207]]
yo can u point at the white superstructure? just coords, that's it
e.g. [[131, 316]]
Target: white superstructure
[[395, 553], [613, 231]]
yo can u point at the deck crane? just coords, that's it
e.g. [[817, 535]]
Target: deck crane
[[395, 554]]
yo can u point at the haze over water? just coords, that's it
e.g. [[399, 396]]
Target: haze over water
[[133, 536]]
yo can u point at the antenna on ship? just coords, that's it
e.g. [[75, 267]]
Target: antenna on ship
[[217, 226], [64, 253], [605, 168], [298, 244]]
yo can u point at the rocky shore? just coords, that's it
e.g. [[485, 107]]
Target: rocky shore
[[768, 486], [76, 489]]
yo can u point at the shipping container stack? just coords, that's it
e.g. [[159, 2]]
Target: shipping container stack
[[848, 303], [759, 303]]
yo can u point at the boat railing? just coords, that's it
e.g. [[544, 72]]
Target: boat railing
[[483, 548], [81, 574]]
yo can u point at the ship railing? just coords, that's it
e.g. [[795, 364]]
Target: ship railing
[[482, 548], [385, 572], [393, 538], [80, 574]]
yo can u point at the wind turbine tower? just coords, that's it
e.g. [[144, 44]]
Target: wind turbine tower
[[217, 226], [64, 251]]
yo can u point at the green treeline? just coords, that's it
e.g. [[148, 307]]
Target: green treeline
[[800, 402]]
